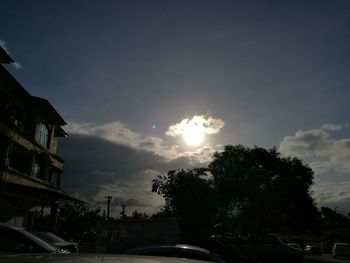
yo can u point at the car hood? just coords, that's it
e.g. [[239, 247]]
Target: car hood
[[62, 244], [91, 258]]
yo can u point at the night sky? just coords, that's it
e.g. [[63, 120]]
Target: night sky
[[148, 86]]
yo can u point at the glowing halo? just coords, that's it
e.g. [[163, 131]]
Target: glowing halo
[[193, 136]]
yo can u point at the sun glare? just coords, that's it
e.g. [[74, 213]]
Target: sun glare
[[193, 136]]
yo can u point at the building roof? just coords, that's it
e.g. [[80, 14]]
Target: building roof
[[42, 105], [4, 57], [47, 109], [49, 194]]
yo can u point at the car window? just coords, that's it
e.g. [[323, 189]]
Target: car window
[[160, 253], [13, 242], [49, 237], [178, 253], [194, 255]]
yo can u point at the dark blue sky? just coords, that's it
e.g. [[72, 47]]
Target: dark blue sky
[[266, 68]]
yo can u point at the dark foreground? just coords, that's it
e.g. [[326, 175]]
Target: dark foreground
[[325, 258]]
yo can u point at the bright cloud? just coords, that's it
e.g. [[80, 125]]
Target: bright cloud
[[207, 125], [307, 143], [330, 154], [331, 192]]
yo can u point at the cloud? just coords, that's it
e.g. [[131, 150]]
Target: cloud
[[307, 143], [327, 153], [3, 45], [95, 167], [110, 159], [118, 133], [17, 65], [208, 125], [331, 192], [333, 195], [333, 127]]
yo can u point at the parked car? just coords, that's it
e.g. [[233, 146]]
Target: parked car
[[57, 241], [313, 250], [295, 245], [17, 240], [341, 250], [179, 251], [269, 248], [232, 248], [90, 258]]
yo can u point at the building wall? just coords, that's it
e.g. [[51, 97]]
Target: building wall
[[25, 161], [118, 235]]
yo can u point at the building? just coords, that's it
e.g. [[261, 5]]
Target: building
[[30, 170]]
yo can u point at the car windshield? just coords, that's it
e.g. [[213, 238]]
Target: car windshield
[[49, 237], [40, 242], [342, 245]]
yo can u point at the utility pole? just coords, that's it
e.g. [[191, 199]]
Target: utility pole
[[109, 199]]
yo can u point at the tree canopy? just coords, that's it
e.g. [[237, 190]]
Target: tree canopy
[[189, 195], [263, 190], [78, 222], [242, 189]]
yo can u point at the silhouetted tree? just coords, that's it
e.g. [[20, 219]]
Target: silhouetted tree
[[78, 222], [331, 220], [136, 215], [335, 226], [190, 196], [258, 190]]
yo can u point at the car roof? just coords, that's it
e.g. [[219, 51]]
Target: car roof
[[42, 243], [179, 246], [92, 258], [10, 226]]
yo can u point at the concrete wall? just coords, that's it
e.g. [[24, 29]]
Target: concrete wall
[[118, 235]]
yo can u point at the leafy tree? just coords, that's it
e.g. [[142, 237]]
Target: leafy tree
[[78, 222], [260, 190], [190, 196]]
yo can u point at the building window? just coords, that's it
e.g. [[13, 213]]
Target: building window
[[55, 179], [42, 135], [36, 169]]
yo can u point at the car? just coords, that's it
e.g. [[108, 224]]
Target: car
[[58, 242], [231, 247], [341, 250], [17, 240], [90, 258], [269, 248], [295, 245], [179, 251], [313, 250]]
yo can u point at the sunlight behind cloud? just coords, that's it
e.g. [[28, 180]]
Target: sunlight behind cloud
[[118, 133], [193, 130]]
